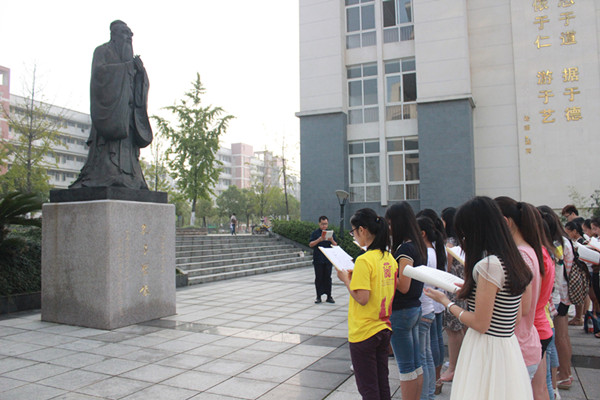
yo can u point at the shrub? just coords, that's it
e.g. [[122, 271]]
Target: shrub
[[299, 231], [20, 248], [20, 267]]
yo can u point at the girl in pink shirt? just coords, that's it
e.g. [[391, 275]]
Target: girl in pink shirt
[[524, 222]]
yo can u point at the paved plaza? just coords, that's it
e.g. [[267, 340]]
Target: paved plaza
[[258, 337]]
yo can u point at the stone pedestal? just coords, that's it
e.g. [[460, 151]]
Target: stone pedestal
[[107, 263]]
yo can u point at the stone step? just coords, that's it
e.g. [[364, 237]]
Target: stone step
[[195, 270], [189, 259], [247, 272], [252, 261], [217, 257], [193, 251], [213, 239]]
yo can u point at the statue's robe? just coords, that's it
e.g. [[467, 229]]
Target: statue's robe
[[120, 125]]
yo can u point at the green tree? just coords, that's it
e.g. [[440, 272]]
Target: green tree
[[281, 205], [276, 202], [155, 169], [260, 199], [205, 209], [231, 201], [194, 142], [183, 210], [35, 131], [246, 205], [294, 207], [234, 200]]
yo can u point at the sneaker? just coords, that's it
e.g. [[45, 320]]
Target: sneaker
[[318, 300], [330, 300]]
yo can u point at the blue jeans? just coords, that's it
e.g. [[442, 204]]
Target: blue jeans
[[437, 340], [405, 342], [551, 362], [425, 325]]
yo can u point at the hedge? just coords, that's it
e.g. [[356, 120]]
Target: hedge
[[299, 231], [21, 267]]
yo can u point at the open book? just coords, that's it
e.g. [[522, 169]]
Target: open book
[[326, 234], [588, 255], [338, 257], [594, 243], [457, 253], [433, 277]]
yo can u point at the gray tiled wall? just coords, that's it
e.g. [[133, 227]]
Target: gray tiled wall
[[446, 153], [324, 155]]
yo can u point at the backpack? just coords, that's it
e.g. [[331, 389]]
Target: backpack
[[578, 280]]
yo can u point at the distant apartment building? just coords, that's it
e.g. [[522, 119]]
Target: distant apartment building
[[4, 105], [243, 167], [67, 158]]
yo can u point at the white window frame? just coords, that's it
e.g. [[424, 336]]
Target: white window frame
[[400, 31], [400, 109], [363, 113], [361, 37], [407, 194], [360, 188]]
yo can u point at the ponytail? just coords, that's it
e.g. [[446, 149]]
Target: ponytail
[[376, 225], [528, 220], [434, 236], [440, 250]]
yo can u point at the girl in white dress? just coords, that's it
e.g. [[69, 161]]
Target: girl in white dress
[[490, 364]]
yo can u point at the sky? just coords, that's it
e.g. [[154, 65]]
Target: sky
[[246, 53]]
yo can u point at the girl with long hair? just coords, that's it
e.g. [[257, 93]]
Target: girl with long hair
[[438, 242], [490, 364], [408, 249], [371, 286], [551, 355], [575, 232], [524, 222], [564, 261], [426, 325], [455, 330]]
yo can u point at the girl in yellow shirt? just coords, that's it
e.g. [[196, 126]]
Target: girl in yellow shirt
[[371, 285]]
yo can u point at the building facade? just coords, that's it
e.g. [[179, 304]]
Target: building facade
[[67, 158], [243, 167], [4, 105], [434, 102]]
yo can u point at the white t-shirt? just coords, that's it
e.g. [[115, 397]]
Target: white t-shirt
[[427, 304]]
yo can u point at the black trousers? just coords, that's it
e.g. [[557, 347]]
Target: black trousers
[[370, 362], [323, 278]]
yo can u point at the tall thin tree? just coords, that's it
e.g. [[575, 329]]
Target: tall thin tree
[[194, 142], [35, 129]]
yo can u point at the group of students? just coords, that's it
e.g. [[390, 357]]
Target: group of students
[[582, 231], [507, 325]]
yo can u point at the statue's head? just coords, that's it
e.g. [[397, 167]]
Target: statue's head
[[119, 31]]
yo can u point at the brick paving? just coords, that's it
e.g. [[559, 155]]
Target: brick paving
[[258, 337]]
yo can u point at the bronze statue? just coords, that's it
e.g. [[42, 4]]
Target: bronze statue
[[120, 125]]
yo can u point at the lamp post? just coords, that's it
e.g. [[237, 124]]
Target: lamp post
[[342, 197]]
